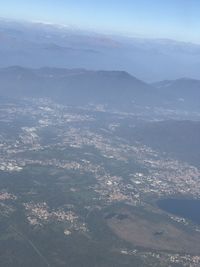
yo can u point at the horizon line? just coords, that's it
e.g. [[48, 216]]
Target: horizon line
[[97, 32]]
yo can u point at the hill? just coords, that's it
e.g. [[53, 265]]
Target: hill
[[178, 139], [117, 89], [76, 86], [180, 92]]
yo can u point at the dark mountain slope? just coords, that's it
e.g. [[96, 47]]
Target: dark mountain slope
[[180, 92], [179, 139]]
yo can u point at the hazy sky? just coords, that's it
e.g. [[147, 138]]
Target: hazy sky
[[175, 19]]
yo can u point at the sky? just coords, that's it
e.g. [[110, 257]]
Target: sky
[[173, 19]]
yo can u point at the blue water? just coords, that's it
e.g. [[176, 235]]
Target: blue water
[[186, 208]]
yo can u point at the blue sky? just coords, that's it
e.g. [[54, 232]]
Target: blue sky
[[175, 19]]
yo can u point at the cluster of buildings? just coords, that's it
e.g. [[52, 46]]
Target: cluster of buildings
[[162, 176]]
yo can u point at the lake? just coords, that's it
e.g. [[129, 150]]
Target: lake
[[186, 208]]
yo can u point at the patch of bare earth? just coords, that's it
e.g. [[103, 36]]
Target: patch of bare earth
[[155, 234]]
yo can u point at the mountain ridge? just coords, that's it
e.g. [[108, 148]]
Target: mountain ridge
[[81, 86]]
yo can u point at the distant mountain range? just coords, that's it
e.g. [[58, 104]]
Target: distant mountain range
[[116, 89], [35, 45]]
